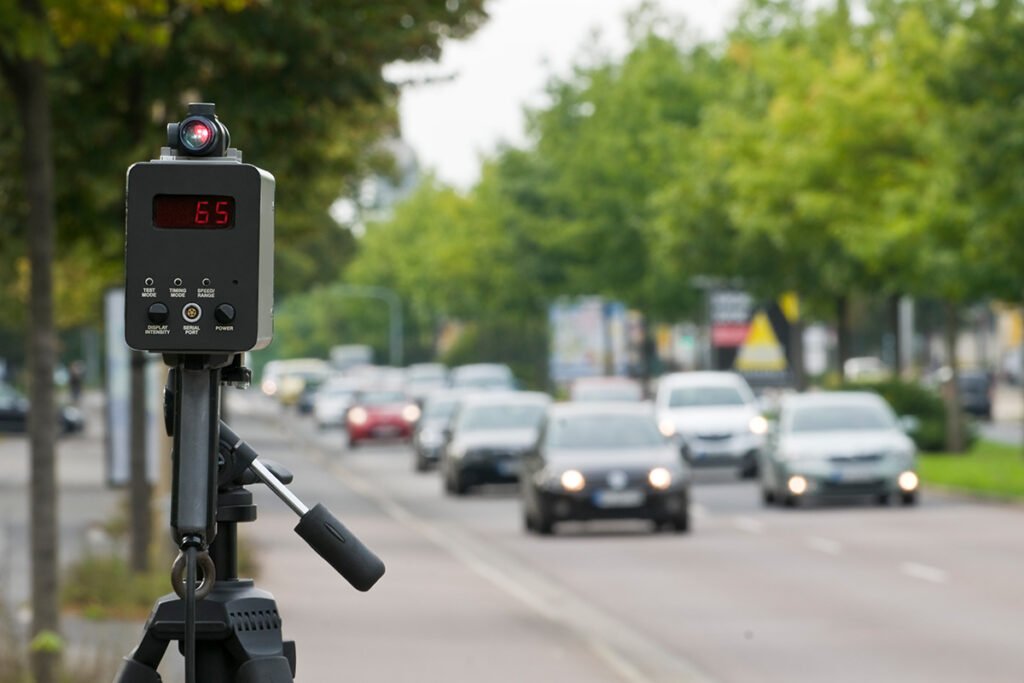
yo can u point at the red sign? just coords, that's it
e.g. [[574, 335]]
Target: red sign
[[729, 335]]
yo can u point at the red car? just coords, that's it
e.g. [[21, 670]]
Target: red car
[[380, 415]]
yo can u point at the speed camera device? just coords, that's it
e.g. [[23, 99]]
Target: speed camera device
[[199, 245]]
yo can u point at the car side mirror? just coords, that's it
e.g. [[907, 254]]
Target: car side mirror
[[910, 423]]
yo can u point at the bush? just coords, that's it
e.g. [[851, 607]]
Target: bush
[[910, 398], [105, 587]]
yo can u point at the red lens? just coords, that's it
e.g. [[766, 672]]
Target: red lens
[[196, 135]]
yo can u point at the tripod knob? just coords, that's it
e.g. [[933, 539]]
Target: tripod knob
[[340, 547]]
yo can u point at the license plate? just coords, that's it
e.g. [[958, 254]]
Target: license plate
[[385, 430], [854, 473], [618, 499]]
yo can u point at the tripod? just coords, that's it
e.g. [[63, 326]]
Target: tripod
[[233, 633]]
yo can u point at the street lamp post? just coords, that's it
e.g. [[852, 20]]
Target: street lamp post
[[395, 329]]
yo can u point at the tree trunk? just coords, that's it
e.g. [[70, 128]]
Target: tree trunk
[[27, 81], [141, 521], [842, 333], [796, 350], [954, 415]]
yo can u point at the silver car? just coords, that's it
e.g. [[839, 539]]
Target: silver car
[[837, 443]]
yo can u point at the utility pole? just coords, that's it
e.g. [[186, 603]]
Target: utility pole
[[396, 338]]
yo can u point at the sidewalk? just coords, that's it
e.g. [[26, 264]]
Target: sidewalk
[[85, 504], [1008, 403]]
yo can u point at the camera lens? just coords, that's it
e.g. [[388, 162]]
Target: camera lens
[[197, 135]]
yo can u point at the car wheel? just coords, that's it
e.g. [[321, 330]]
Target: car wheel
[[748, 468], [909, 499], [767, 497], [791, 502], [543, 525], [528, 524], [420, 463], [882, 499], [681, 523], [456, 485]]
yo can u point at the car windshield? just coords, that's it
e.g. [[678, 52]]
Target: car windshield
[[439, 409], [337, 392], [607, 393], [382, 398], [501, 416], [699, 397], [604, 431], [840, 418]]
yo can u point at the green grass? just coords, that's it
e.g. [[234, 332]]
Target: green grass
[[988, 469]]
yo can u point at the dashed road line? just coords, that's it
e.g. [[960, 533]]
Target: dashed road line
[[748, 524], [824, 545], [924, 572]]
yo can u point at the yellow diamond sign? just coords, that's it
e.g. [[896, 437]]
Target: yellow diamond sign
[[761, 351]]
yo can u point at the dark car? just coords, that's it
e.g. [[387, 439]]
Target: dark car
[[604, 461], [14, 408], [429, 435], [383, 414], [487, 439], [976, 392]]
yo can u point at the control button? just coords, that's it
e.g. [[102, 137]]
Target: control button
[[149, 282], [206, 282], [157, 313], [192, 313], [225, 314], [177, 282]]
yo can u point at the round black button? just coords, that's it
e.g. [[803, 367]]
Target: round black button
[[225, 314], [157, 313]]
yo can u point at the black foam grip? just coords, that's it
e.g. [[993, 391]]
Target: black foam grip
[[339, 546]]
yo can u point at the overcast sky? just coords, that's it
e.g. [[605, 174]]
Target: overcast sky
[[504, 66]]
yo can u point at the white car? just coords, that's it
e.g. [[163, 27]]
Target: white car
[[332, 400], [715, 417]]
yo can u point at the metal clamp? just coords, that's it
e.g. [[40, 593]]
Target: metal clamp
[[205, 565]]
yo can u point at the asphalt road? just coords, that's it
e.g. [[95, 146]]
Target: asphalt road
[[849, 592]]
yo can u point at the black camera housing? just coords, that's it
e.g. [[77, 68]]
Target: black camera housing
[[199, 258]]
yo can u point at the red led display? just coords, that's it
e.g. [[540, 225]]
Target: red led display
[[203, 212]]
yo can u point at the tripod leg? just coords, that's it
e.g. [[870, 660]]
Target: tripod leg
[[134, 672], [265, 670]]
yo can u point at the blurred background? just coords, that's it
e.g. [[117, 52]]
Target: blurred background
[[559, 200]]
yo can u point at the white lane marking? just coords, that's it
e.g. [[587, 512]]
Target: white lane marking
[[924, 572], [824, 545], [698, 511], [748, 524]]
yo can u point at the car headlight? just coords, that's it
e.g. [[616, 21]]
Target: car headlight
[[666, 427], [573, 481], [908, 481], [269, 387], [660, 478], [411, 412], [758, 425], [456, 451], [797, 485], [358, 416]]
